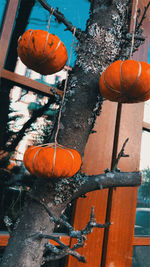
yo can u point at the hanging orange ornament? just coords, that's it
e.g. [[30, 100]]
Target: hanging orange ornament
[[126, 82], [42, 52], [52, 160]]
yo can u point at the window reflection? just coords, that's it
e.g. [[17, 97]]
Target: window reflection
[[142, 222], [141, 256]]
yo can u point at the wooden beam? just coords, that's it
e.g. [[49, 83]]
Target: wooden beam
[[27, 83], [141, 241], [7, 30], [4, 236]]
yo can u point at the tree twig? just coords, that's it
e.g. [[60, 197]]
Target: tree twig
[[58, 254], [61, 18], [143, 16], [80, 235], [120, 155]]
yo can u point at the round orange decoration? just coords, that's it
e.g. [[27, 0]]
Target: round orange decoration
[[126, 82], [52, 161], [28, 158], [42, 52]]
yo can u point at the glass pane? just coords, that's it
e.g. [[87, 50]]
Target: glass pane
[[141, 256], [142, 222]]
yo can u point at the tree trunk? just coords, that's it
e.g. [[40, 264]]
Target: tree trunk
[[98, 47]]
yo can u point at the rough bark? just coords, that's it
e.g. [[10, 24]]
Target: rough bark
[[23, 248], [98, 46]]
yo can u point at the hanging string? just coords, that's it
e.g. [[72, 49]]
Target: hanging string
[[48, 27], [134, 25], [49, 21], [65, 87]]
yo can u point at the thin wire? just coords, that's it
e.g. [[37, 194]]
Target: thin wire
[[134, 25], [65, 87]]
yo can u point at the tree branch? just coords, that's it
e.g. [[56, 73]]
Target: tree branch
[[61, 18], [143, 16], [61, 253], [120, 155], [81, 184], [80, 235]]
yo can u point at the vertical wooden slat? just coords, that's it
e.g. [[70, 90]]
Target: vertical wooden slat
[[110, 191], [7, 30], [4, 237], [118, 251], [96, 159]]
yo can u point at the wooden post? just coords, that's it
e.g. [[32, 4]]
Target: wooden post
[[97, 158], [7, 30]]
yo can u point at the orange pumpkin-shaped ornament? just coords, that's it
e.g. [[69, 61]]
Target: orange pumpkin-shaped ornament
[[126, 82], [42, 52], [52, 161]]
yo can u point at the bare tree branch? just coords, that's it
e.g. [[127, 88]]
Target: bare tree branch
[[61, 18], [120, 155], [81, 184], [72, 188], [143, 16], [58, 254], [80, 235]]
